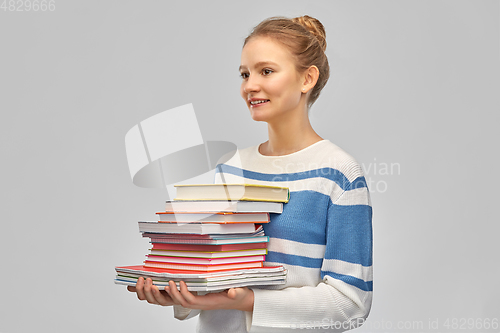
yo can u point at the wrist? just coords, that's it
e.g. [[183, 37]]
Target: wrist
[[248, 301]]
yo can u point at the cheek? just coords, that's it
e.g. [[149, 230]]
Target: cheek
[[243, 93], [285, 87], [288, 93]]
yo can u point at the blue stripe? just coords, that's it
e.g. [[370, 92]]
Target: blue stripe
[[361, 284], [292, 259], [303, 219], [351, 228], [328, 173], [357, 183], [310, 217]]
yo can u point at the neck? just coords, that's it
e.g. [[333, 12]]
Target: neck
[[289, 135]]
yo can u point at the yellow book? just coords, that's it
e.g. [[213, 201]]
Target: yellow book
[[232, 192]]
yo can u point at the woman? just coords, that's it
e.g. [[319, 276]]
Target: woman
[[324, 236]]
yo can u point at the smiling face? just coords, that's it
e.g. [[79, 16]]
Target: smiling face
[[271, 85]]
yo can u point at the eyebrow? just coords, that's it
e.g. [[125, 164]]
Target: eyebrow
[[260, 64]]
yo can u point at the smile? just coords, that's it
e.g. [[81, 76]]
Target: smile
[[259, 102]]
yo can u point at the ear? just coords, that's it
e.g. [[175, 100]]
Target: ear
[[311, 76]]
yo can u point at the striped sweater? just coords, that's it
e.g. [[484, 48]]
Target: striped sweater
[[323, 238]]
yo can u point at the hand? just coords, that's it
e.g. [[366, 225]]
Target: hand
[[147, 291], [233, 298]]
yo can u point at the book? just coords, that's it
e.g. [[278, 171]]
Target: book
[[232, 192], [183, 275], [216, 241], [203, 268], [217, 217], [203, 261], [210, 248], [259, 231], [208, 240], [209, 254], [224, 206], [203, 281], [208, 286], [195, 228]]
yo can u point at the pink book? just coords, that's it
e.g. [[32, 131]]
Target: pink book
[[204, 261]]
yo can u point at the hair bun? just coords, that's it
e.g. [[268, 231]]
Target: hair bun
[[315, 27]]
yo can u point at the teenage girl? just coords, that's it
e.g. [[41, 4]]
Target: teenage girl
[[324, 235]]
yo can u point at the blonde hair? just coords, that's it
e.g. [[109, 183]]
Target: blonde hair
[[305, 38]]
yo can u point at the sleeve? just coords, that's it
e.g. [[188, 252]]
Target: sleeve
[[342, 300], [183, 313]]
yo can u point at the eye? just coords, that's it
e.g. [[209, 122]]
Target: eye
[[267, 71], [244, 75]]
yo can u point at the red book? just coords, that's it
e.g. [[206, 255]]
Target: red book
[[203, 261], [208, 248], [208, 255], [203, 268]]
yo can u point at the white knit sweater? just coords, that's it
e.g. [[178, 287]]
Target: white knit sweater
[[323, 238]]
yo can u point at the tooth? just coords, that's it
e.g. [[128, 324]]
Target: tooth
[[259, 101]]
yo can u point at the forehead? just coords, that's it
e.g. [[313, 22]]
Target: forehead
[[262, 49]]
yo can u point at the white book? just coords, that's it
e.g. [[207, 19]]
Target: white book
[[195, 228], [200, 281], [211, 241], [210, 286], [224, 206], [216, 217]]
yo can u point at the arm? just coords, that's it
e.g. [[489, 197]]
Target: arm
[[230, 299], [342, 299]]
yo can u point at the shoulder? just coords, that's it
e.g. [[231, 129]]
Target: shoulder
[[330, 156]]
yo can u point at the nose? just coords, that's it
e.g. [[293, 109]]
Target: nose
[[251, 84]]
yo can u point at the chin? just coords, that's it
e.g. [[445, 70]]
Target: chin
[[258, 116], [260, 113]]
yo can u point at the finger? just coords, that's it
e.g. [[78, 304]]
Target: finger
[[190, 298], [237, 292], [176, 295], [147, 291], [161, 297], [131, 289], [139, 286], [232, 293], [167, 290]]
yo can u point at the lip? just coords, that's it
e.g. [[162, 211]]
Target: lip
[[257, 99]]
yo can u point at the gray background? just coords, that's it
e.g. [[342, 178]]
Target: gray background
[[414, 85]]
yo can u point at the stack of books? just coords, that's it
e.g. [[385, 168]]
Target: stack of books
[[211, 237]]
